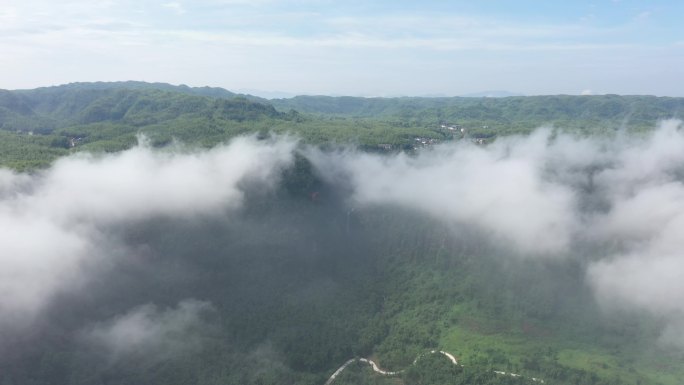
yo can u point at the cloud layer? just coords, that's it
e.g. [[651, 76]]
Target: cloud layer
[[382, 48], [618, 199], [54, 223], [500, 188], [646, 219], [547, 195], [152, 333]]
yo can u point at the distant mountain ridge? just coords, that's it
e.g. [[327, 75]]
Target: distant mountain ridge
[[116, 111], [500, 106], [44, 109], [137, 103], [212, 92], [540, 109]]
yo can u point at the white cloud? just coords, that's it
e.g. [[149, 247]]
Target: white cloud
[[526, 195], [523, 193], [233, 43], [149, 333], [643, 16], [649, 280], [646, 221], [51, 223], [175, 7], [499, 189], [38, 257], [139, 183]]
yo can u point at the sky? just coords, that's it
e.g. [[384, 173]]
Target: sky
[[360, 48]]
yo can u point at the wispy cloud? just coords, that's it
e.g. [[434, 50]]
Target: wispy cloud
[[108, 36], [67, 206], [525, 194], [175, 7], [429, 31], [642, 16], [152, 334]]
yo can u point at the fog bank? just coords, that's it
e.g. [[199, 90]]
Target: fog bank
[[616, 203], [54, 223], [549, 195]]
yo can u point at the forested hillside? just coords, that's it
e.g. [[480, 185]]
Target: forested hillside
[[38, 125], [244, 242], [507, 113], [295, 284]]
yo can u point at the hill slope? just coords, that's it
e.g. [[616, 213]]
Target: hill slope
[[283, 282]]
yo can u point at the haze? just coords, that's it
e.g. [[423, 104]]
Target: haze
[[353, 48], [525, 196]]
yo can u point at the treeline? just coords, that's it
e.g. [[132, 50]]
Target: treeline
[[39, 125], [490, 117], [45, 110], [109, 116], [538, 109], [42, 124]]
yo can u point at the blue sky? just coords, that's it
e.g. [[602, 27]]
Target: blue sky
[[369, 48]]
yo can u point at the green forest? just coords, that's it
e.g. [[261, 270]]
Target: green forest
[[299, 279], [39, 125]]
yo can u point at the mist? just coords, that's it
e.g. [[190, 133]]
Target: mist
[[549, 195], [149, 333], [55, 223], [135, 253], [500, 189]]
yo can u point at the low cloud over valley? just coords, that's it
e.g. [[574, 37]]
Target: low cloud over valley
[[615, 203]]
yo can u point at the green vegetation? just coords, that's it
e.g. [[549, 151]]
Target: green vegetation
[[24, 152], [300, 285], [109, 116], [500, 115], [94, 117]]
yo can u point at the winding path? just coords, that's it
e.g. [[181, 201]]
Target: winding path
[[377, 369]]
